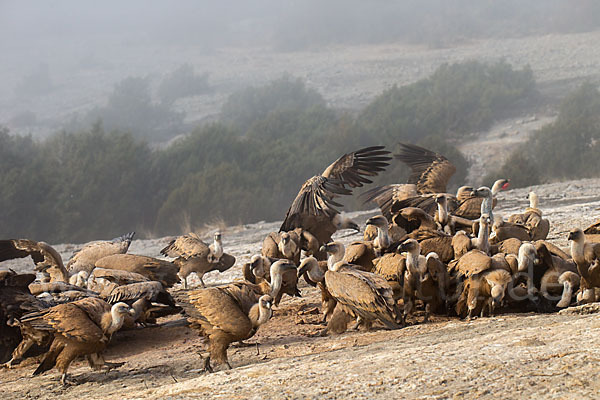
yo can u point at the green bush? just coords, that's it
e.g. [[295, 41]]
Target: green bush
[[247, 106], [567, 148], [130, 108], [183, 82], [456, 100]]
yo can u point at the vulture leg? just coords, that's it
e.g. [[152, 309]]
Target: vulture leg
[[358, 321], [184, 282], [207, 367], [427, 313], [17, 354], [201, 280], [257, 349], [95, 361]]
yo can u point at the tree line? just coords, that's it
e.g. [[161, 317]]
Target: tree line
[[94, 183]]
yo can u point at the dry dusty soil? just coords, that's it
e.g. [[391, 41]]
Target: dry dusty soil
[[506, 356]]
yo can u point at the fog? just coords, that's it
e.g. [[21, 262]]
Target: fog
[[62, 59]]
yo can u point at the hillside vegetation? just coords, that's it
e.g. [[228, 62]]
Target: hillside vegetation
[[566, 149], [100, 182]]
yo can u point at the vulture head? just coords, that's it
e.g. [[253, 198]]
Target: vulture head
[[500, 184], [410, 246], [441, 199], [278, 268], [334, 248], [310, 266], [379, 221], [119, 311], [576, 235], [218, 237], [341, 222], [483, 192], [527, 257]]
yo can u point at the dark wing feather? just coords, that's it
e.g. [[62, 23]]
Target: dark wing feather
[[425, 203], [314, 199], [351, 168], [41, 253], [386, 196], [430, 171]]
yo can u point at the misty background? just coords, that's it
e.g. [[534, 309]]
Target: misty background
[[165, 116]]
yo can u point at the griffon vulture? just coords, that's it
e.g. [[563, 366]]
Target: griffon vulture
[[154, 269], [314, 210], [81, 328], [225, 315], [85, 259], [193, 255], [364, 295], [586, 256]]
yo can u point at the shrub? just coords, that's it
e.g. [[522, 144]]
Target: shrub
[[183, 82]]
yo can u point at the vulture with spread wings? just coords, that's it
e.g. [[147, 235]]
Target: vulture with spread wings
[[314, 208], [430, 174]]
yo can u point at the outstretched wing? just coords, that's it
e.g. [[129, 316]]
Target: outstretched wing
[[315, 199], [41, 253], [431, 171], [386, 196], [351, 168]]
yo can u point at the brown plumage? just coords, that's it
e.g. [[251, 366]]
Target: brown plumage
[[388, 195], [15, 301], [430, 171], [414, 218], [154, 269], [151, 290], [192, 256], [365, 296], [436, 242], [559, 279], [314, 275], [502, 230], [461, 244], [260, 269], [425, 279], [392, 266], [472, 263], [85, 259], [484, 292], [45, 257], [225, 315], [532, 218], [314, 208], [81, 328], [586, 256], [102, 277], [286, 245], [508, 246], [470, 205], [362, 253]]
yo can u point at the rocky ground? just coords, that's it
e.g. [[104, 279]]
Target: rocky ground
[[506, 356]]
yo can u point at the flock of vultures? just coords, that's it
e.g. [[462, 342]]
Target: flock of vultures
[[430, 250]]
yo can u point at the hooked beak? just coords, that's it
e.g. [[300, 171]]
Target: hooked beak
[[323, 248], [570, 237], [131, 312]]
